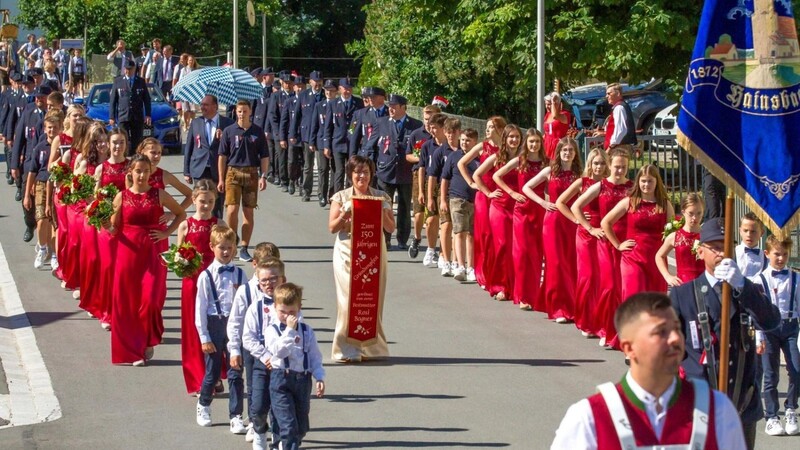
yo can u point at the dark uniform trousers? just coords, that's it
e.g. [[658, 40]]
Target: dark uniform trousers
[[324, 174], [339, 163], [403, 209], [283, 162], [308, 169], [273, 156], [134, 128], [295, 157]]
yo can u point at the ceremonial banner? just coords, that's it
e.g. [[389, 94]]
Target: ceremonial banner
[[365, 270], [740, 114]]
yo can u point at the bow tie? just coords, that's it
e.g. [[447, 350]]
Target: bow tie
[[283, 326], [223, 269], [753, 251], [780, 272]]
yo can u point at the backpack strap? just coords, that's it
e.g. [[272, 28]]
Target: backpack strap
[[700, 416]]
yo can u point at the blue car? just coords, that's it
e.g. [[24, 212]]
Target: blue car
[[166, 123]]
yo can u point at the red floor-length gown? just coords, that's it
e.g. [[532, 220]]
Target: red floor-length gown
[[501, 220], [689, 267], [74, 220], [608, 257], [482, 237], [553, 132], [526, 250], [156, 180], [89, 262], [61, 215], [638, 265], [558, 234], [138, 295], [589, 271], [113, 173], [194, 366]]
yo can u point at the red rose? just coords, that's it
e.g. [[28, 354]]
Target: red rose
[[192, 253], [76, 183], [184, 253], [418, 145]]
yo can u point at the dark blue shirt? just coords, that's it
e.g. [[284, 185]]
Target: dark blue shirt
[[437, 161], [459, 187], [243, 148], [418, 136], [426, 155], [38, 161]]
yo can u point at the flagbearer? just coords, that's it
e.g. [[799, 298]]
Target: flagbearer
[[658, 408], [699, 308]]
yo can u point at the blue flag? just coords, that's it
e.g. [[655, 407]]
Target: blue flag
[[740, 115]]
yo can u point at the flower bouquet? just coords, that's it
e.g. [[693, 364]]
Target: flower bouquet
[[100, 210], [80, 188], [60, 173], [183, 259], [418, 147], [672, 226]]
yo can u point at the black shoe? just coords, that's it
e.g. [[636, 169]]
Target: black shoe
[[28, 235], [306, 198], [402, 246], [9, 179], [413, 250], [285, 188], [291, 189], [322, 203], [18, 197], [270, 179], [388, 245]]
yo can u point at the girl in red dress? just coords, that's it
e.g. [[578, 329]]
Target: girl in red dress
[[682, 240], [556, 125], [93, 153], [112, 171], [500, 275], [645, 211], [137, 297], [197, 230], [588, 269], [69, 260], [526, 250], [558, 233], [608, 193], [61, 146], [482, 238]]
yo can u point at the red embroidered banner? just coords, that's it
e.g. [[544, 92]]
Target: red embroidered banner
[[365, 270]]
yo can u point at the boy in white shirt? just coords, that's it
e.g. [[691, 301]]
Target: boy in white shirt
[[780, 286], [750, 259], [215, 290], [295, 359]]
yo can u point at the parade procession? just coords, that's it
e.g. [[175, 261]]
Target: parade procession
[[384, 222]]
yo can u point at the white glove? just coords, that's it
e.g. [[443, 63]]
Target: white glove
[[727, 270]]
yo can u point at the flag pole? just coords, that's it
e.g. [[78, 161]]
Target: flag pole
[[725, 324]]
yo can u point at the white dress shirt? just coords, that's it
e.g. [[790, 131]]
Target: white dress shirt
[[779, 290], [252, 339], [620, 127], [226, 284], [577, 429], [238, 310], [751, 264], [291, 344]]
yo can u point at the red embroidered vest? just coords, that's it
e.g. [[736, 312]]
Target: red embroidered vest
[[677, 425]]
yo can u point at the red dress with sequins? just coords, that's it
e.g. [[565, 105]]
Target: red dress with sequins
[[559, 252], [107, 243], [689, 267], [482, 237], [588, 271], [526, 250], [194, 366], [638, 265], [608, 257], [500, 277], [62, 237], [138, 296]]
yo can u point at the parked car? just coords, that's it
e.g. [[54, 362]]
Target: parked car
[[165, 119], [665, 124]]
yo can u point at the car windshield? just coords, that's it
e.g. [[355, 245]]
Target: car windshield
[[102, 95]]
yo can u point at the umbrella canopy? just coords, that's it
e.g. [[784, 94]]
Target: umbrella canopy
[[227, 84]]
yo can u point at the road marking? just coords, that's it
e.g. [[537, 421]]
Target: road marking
[[31, 398]]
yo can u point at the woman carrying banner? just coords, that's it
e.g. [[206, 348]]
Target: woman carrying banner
[[361, 171]]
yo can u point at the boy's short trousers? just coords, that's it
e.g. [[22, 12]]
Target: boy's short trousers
[[40, 200], [444, 216], [77, 77], [415, 204], [463, 214], [241, 185]]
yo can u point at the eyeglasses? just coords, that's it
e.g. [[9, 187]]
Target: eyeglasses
[[716, 249], [270, 280]]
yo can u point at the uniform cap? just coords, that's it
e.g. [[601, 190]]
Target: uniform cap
[[299, 79], [315, 76], [397, 99], [330, 84], [366, 91], [267, 71], [16, 76], [712, 230], [256, 72], [345, 83], [130, 63], [378, 91], [42, 91]]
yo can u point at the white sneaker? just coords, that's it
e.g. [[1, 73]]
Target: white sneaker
[[791, 422], [427, 261], [447, 269], [41, 256], [36, 248], [460, 273], [203, 415], [237, 425], [53, 262], [471, 275], [774, 427], [441, 263], [260, 441], [251, 433]]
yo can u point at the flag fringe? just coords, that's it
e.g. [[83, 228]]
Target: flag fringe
[[686, 143]]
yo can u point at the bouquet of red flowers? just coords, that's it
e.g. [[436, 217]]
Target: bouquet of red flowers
[[418, 147], [60, 173], [100, 210], [183, 259], [80, 188]]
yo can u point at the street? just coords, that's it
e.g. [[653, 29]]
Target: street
[[465, 371]]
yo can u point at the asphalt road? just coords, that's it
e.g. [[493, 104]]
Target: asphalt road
[[465, 371]]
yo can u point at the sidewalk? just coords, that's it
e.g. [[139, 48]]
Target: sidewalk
[[26, 392]]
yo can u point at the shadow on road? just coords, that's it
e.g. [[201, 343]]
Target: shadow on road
[[440, 361], [371, 398], [37, 319], [361, 429], [399, 444]]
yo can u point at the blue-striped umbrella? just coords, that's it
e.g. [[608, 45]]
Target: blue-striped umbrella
[[227, 84]]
